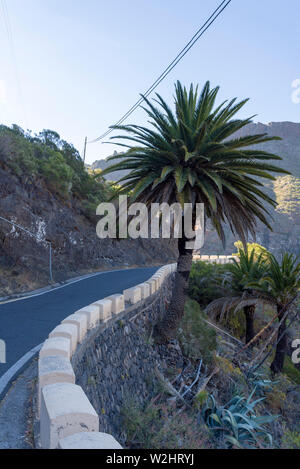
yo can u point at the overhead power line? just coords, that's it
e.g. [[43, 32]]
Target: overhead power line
[[172, 65]]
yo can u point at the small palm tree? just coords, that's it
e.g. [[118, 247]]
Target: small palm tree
[[241, 273], [280, 286], [192, 156]]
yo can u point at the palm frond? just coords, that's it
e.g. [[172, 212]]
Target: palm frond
[[191, 154]]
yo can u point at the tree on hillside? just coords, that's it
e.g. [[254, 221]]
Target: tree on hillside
[[192, 156], [50, 138], [46, 157], [280, 286], [247, 269]]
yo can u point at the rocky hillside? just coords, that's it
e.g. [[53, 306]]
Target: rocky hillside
[[45, 189], [103, 164], [285, 190]]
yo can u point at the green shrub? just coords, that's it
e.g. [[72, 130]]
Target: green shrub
[[159, 426], [206, 282], [57, 174], [290, 440], [201, 398], [197, 338], [235, 323], [291, 371], [54, 161]]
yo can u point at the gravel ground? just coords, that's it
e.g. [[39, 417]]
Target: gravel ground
[[16, 425]]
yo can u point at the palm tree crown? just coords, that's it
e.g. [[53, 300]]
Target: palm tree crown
[[281, 286], [247, 269], [281, 283], [190, 156]]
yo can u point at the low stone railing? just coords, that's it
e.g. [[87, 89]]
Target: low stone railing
[[67, 418], [215, 259]]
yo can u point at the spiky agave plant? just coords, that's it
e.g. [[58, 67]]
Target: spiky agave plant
[[192, 156], [237, 423]]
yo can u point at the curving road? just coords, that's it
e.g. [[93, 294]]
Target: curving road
[[26, 323]]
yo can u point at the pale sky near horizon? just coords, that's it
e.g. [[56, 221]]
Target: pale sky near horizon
[[83, 64]]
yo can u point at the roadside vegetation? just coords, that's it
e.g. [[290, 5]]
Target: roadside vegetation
[[56, 163], [214, 390], [223, 339]]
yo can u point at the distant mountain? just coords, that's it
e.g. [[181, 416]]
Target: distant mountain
[[285, 219], [103, 164], [288, 148]]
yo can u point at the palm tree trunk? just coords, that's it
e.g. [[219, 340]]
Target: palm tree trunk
[[166, 328], [249, 315], [278, 362]]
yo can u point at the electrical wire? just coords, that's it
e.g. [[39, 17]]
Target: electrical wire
[[171, 66]]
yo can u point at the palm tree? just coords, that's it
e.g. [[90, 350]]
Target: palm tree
[[247, 269], [191, 156], [280, 286]]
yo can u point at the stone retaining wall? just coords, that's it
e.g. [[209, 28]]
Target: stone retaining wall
[[118, 361], [93, 360]]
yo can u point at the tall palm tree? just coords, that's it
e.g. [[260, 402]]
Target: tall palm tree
[[241, 273], [192, 156], [280, 286]]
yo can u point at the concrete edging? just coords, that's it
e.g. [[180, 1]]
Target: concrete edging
[[59, 423]]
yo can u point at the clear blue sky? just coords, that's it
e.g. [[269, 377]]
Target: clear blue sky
[[83, 63]]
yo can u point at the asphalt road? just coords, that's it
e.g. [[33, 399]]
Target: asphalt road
[[26, 323]]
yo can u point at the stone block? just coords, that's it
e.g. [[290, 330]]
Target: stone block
[[92, 314], [152, 285], [69, 331], [65, 411], [56, 346], [118, 303], [87, 440], [105, 309], [133, 295], [157, 281], [145, 290], [80, 321], [51, 370]]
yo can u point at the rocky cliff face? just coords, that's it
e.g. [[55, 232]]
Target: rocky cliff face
[[24, 260], [103, 164]]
